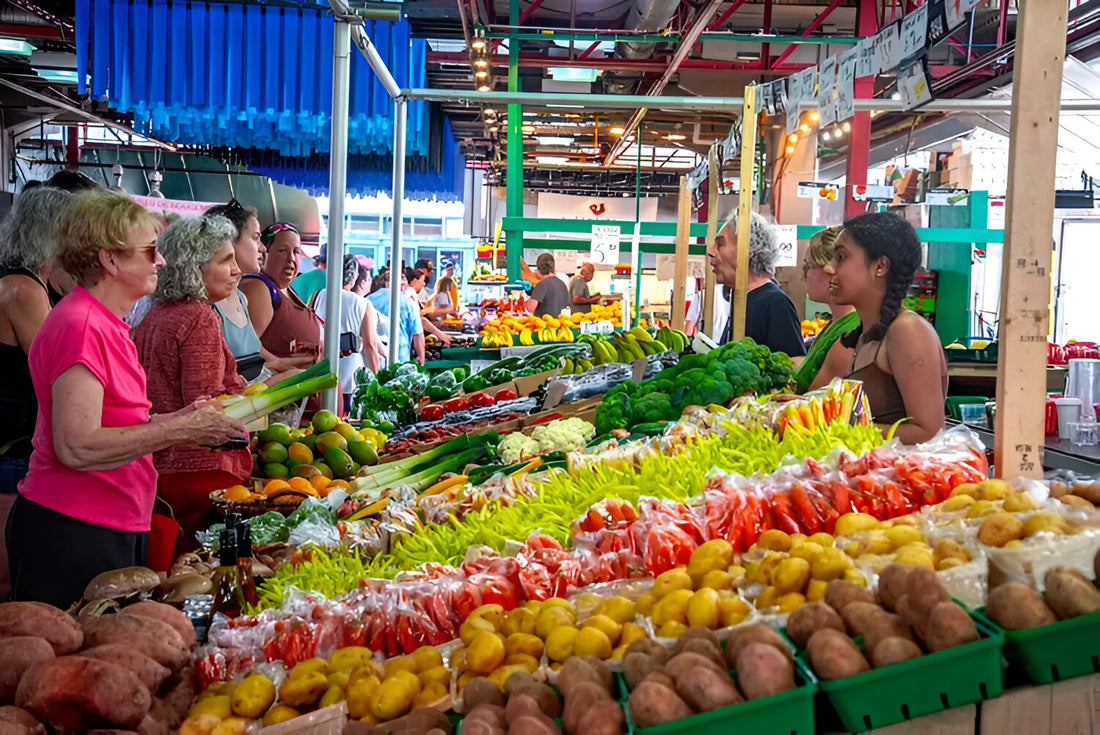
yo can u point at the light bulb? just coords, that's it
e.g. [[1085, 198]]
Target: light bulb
[[481, 63], [804, 128], [792, 138], [846, 126], [826, 135], [814, 115], [838, 133], [790, 150], [483, 87], [481, 74]]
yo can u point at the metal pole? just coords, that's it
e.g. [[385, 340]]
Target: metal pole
[[399, 111], [337, 186]]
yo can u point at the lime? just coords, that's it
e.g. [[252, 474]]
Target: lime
[[324, 468], [279, 433], [324, 421], [276, 470], [386, 427], [272, 451], [292, 463], [310, 440]]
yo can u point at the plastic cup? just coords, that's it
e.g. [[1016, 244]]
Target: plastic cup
[[1083, 433], [1069, 412]]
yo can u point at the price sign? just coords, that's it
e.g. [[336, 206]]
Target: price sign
[[787, 236], [914, 84], [826, 91], [887, 48], [845, 84], [600, 327], [914, 33], [605, 244], [865, 66]]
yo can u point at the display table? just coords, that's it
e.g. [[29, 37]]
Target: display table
[[975, 378]]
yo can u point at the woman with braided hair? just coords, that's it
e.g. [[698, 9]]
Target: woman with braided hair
[[898, 355]]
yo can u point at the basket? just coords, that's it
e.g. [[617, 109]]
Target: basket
[[921, 686], [1054, 652], [252, 507], [325, 721]]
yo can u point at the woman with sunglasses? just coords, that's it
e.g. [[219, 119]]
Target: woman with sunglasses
[[86, 503], [185, 356], [827, 358], [287, 327]]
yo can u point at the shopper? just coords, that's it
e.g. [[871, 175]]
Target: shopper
[[185, 356], [770, 317], [86, 503], [549, 297], [578, 290], [286, 326], [430, 287], [417, 279], [310, 282], [359, 343], [898, 355], [452, 290], [410, 330], [827, 358], [441, 305]]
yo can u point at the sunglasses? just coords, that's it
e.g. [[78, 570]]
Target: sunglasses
[[269, 233]]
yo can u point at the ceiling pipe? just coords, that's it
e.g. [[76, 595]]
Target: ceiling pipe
[[646, 15]]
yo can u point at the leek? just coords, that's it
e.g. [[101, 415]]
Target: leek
[[250, 408]]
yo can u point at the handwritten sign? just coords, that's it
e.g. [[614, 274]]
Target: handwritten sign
[[787, 236], [914, 33], [767, 98], [865, 53], [600, 327], [887, 48], [826, 91], [605, 244], [914, 85], [846, 84]]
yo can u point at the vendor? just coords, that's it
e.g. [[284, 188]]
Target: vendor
[[550, 296], [86, 503], [770, 317], [578, 290], [186, 359], [286, 326], [827, 358], [898, 355], [441, 305]]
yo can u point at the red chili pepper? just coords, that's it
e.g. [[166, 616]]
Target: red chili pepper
[[496, 590], [546, 419], [782, 514], [432, 412], [478, 400], [506, 395], [455, 404], [804, 510]]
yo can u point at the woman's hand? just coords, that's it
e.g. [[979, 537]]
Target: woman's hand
[[210, 427]]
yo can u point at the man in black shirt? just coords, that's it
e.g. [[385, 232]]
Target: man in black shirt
[[770, 316]]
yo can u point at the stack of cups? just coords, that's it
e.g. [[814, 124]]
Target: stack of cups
[[1069, 412], [1082, 381]]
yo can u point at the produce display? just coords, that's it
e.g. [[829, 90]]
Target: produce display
[[507, 330], [623, 347]]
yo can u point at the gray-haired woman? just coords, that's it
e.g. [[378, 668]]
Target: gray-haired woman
[[181, 347]]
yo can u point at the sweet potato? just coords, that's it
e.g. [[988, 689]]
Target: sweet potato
[[165, 614], [159, 641], [83, 693], [18, 721], [44, 621], [839, 592], [1015, 606], [833, 655], [893, 650], [148, 671], [947, 625], [171, 707], [892, 585], [762, 670], [743, 635], [603, 718], [18, 654], [655, 704], [704, 689], [1070, 593], [811, 617]]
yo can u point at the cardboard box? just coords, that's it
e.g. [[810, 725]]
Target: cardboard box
[[527, 385]]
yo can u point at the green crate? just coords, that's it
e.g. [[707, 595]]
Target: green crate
[[1054, 652], [921, 686], [791, 712]]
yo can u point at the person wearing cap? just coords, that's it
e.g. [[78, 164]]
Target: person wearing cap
[[550, 296], [309, 283]]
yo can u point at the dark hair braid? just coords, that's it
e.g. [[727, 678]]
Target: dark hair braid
[[885, 235]]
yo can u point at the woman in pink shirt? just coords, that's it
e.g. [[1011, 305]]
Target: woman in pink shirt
[[86, 503]]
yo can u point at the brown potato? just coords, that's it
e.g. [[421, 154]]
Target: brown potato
[[696, 633], [148, 671], [44, 621], [82, 693], [546, 698], [678, 665], [762, 670], [602, 718], [157, 640], [839, 592], [478, 692], [999, 528], [635, 666], [833, 655], [1058, 488], [530, 724], [1069, 593], [1015, 606], [893, 583], [894, 650], [704, 648], [517, 680], [808, 618], [648, 646], [925, 591], [520, 705], [1076, 501], [580, 699], [882, 626], [165, 614], [857, 615], [583, 669], [488, 714], [743, 635], [948, 625], [655, 704], [18, 654], [704, 689], [17, 721]]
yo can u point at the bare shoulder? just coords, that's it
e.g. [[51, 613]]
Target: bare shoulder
[[911, 340], [253, 289]]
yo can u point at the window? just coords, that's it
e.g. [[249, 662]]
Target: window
[[429, 227], [364, 225]]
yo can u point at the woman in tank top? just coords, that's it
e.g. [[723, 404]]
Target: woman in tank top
[[898, 355]]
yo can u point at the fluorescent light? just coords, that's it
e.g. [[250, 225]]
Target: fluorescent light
[[15, 47], [555, 139], [567, 107], [68, 76], [617, 130], [573, 74], [748, 55], [552, 160]]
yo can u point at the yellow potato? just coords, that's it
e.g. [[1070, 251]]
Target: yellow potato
[[672, 607], [551, 618], [806, 550], [219, 687], [957, 502], [901, 535], [968, 488], [471, 626], [718, 579], [631, 633], [671, 629], [559, 602], [1046, 523], [219, 705], [520, 620], [304, 689], [1014, 544], [332, 695], [408, 679], [790, 601], [559, 644], [993, 489], [949, 549], [399, 663], [874, 541], [441, 675], [710, 556], [732, 611], [275, 715], [609, 627], [797, 539], [339, 679], [430, 696], [829, 564], [618, 608], [253, 696], [775, 540], [310, 664], [821, 538], [791, 575], [851, 575], [485, 653], [500, 674], [592, 642], [427, 657], [523, 643], [981, 508], [232, 726], [915, 555], [1020, 502], [815, 590], [768, 598], [493, 614], [670, 581], [702, 609], [391, 699], [952, 562], [850, 523], [523, 661], [202, 724], [348, 658], [645, 604]]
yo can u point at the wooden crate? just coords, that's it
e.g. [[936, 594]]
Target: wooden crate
[[1066, 708]]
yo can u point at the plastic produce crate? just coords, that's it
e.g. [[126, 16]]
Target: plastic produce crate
[[921, 686], [791, 712], [1054, 652]]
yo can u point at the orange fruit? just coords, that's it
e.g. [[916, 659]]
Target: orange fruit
[[237, 492], [342, 484], [301, 483], [300, 452], [275, 486], [320, 483]]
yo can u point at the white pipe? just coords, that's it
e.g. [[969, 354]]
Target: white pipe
[[338, 178], [370, 53], [395, 245]]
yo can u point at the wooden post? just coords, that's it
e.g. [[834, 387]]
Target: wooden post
[[711, 290], [744, 211], [680, 267], [1025, 279]]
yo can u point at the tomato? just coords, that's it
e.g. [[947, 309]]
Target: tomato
[[506, 395], [478, 400], [455, 404], [432, 412]]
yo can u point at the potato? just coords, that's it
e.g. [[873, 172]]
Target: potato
[[809, 618], [44, 621], [925, 591], [165, 614], [743, 635], [892, 650], [19, 653], [170, 708], [533, 725], [704, 648], [480, 691], [704, 689], [347, 659], [82, 693], [16, 721], [680, 664], [157, 640], [949, 549], [580, 699], [423, 719], [520, 705], [573, 670], [649, 647], [655, 704], [1090, 491], [762, 670], [839, 592], [1015, 606], [148, 671], [303, 690], [256, 693], [1058, 488], [602, 718], [1000, 528], [392, 698], [546, 698], [516, 681], [199, 725], [885, 625], [892, 585], [635, 666], [1019, 502], [1069, 593], [857, 614], [948, 625], [1075, 500], [696, 633], [833, 655]]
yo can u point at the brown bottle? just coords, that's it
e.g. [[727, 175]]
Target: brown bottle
[[228, 595], [244, 564]]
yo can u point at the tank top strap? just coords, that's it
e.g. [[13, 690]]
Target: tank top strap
[[272, 289], [20, 271]]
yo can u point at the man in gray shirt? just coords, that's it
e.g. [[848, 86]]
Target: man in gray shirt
[[578, 290], [550, 296]]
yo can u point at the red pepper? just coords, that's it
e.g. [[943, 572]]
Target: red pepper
[[546, 419], [506, 395], [496, 590], [455, 404], [478, 400], [782, 515], [804, 510], [432, 412]]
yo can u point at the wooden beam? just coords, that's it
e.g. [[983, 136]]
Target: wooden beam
[[744, 211], [711, 289], [680, 266], [1026, 263]]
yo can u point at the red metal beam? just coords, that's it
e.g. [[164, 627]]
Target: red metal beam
[[49, 33], [530, 9], [1002, 25], [651, 65], [766, 48], [588, 51], [811, 28], [726, 15], [859, 136]]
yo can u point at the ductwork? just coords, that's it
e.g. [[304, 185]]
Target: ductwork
[[646, 15]]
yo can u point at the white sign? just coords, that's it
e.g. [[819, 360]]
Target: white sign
[[826, 91], [871, 193], [914, 33], [865, 53], [913, 85], [571, 206], [887, 48], [787, 235], [605, 244], [946, 197], [600, 327], [184, 209], [767, 98], [817, 190], [846, 84]]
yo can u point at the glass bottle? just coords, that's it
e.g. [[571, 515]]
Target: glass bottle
[[228, 596], [244, 564]]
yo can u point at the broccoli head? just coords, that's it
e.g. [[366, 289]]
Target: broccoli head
[[653, 407]]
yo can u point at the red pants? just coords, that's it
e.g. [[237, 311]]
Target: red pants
[[189, 495]]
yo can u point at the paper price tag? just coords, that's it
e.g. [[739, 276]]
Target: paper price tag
[[865, 54], [600, 327], [845, 84], [787, 236], [914, 85], [605, 244], [914, 33], [887, 47], [826, 91]]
